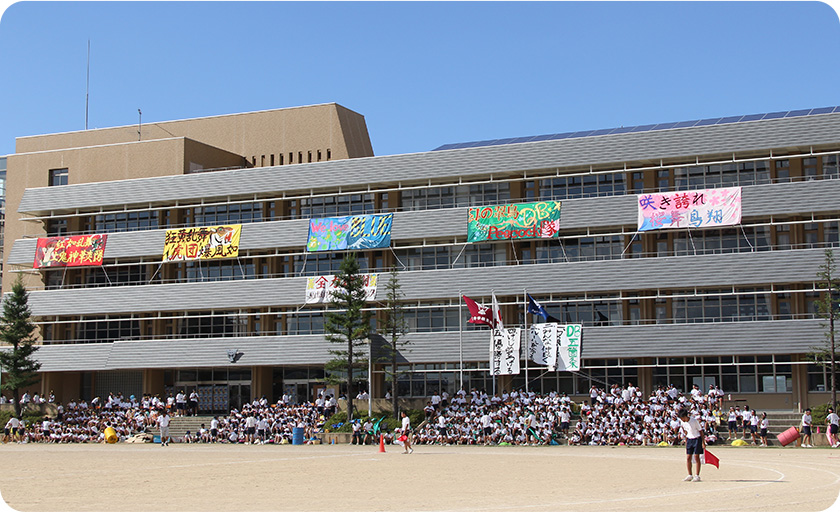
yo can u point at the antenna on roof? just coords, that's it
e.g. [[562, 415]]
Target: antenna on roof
[[87, 87], [139, 123]]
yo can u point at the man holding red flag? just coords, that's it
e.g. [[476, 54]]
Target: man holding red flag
[[695, 443]]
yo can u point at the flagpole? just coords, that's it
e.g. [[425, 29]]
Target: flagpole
[[493, 310], [461, 338], [527, 346]]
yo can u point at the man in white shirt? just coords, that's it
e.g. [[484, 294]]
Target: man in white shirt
[[163, 422], [694, 443], [806, 429], [833, 422], [406, 431]]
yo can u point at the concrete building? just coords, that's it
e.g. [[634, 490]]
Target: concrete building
[[730, 305]]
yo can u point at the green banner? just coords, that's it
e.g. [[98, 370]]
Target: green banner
[[514, 221]]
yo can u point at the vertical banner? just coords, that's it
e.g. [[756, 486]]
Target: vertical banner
[[206, 243], [698, 209], [351, 232], [70, 251], [504, 351], [542, 345], [569, 349], [514, 221]]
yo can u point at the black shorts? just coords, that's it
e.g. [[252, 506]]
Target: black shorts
[[832, 428], [764, 432], [564, 425], [250, 430], [733, 425], [488, 431], [806, 430], [693, 446], [214, 432], [7, 432], [753, 428], [181, 405]]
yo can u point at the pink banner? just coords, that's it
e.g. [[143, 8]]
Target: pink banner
[[694, 209]]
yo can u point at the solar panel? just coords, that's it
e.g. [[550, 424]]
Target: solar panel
[[641, 128]]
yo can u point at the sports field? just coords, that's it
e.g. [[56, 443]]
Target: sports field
[[434, 478]]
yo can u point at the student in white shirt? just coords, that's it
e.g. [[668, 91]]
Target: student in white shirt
[[765, 424], [806, 429], [694, 443], [833, 425]]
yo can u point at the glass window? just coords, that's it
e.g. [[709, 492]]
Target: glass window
[[58, 177]]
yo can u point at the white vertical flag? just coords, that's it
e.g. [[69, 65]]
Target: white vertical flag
[[569, 349], [504, 351], [542, 345], [497, 314]]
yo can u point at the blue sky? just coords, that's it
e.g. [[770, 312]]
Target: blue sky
[[423, 74]]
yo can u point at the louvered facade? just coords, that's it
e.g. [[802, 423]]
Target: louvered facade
[[732, 306]]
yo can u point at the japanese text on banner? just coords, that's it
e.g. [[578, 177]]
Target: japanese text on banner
[[70, 251], [694, 209], [351, 232], [320, 289], [514, 221], [206, 243], [504, 351]]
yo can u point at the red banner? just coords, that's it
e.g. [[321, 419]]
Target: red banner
[[70, 251]]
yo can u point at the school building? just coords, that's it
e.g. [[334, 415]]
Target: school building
[[725, 304]]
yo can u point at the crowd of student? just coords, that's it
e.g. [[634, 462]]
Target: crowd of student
[[256, 422], [620, 415]]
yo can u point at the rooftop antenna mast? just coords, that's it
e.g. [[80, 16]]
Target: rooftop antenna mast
[[87, 87], [139, 123]]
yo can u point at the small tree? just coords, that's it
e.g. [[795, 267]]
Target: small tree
[[393, 328], [348, 326], [16, 330], [827, 308]]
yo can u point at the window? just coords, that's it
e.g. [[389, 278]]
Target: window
[[58, 177]]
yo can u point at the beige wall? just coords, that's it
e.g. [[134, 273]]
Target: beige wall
[[252, 134]]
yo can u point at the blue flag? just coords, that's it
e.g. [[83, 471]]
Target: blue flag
[[535, 308]]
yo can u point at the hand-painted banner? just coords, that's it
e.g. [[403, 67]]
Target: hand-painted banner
[[514, 221], [320, 289], [699, 209], [207, 243], [352, 232], [568, 353], [70, 251], [504, 351], [555, 345], [542, 345]]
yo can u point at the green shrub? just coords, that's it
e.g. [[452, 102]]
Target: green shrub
[[30, 417], [819, 413]]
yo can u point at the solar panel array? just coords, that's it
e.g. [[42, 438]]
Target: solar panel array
[[643, 128]]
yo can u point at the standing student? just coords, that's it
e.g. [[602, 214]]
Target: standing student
[[163, 422], [806, 429], [833, 422], [695, 444], [765, 424], [406, 431]]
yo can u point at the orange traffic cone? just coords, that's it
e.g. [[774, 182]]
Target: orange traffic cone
[[381, 443]]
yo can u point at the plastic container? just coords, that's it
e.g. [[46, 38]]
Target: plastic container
[[788, 436], [297, 435]]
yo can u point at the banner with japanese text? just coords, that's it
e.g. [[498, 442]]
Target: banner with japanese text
[[206, 243], [504, 351], [351, 232], [320, 289], [70, 251], [514, 221], [542, 344], [698, 209], [568, 353]]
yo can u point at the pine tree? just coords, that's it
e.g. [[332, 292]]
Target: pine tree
[[348, 326], [393, 329], [827, 308], [16, 330]]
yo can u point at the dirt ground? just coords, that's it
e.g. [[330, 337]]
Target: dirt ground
[[434, 478]]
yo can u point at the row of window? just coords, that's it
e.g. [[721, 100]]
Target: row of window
[[679, 307], [554, 188]]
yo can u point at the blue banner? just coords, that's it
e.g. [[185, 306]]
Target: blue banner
[[355, 232]]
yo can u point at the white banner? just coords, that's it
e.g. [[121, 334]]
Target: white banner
[[569, 349], [542, 345], [504, 351], [690, 209], [319, 289]]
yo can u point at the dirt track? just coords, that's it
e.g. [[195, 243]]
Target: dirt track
[[299, 478]]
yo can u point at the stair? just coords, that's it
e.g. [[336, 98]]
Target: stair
[[179, 425]]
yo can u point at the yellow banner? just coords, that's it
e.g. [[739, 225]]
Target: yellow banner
[[207, 243]]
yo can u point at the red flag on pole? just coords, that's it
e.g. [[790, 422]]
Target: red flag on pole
[[479, 313], [708, 458]]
